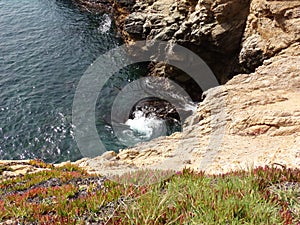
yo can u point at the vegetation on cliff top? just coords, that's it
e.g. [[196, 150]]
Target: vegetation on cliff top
[[69, 195]]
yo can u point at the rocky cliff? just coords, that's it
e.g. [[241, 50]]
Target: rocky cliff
[[212, 29], [251, 120]]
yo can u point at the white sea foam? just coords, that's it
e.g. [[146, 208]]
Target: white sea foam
[[106, 24], [147, 127], [191, 107]]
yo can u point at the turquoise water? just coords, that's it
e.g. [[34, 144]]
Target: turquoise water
[[45, 47]]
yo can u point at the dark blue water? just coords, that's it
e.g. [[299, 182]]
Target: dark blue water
[[45, 47]]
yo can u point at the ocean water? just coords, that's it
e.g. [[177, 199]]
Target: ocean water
[[45, 48]]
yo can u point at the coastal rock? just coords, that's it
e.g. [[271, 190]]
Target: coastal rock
[[212, 29], [271, 27], [95, 5], [103, 5], [253, 120], [13, 168]]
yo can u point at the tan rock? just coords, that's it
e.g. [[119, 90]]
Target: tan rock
[[17, 168], [211, 28], [253, 120], [272, 26]]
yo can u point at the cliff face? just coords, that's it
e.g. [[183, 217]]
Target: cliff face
[[212, 29], [253, 119], [272, 26]]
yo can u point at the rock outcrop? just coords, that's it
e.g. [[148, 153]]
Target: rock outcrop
[[254, 118], [272, 26], [212, 29], [12, 168]]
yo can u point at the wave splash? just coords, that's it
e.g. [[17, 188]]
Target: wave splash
[[106, 24], [146, 127]]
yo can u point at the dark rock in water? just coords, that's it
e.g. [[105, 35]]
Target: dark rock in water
[[105, 5], [95, 5], [156, 107]]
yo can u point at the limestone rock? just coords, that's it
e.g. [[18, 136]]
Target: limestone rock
[[12, 168]]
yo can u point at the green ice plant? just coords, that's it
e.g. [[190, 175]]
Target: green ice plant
[[259, 196]]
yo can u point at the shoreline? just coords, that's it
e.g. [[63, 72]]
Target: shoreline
[[260, 102], [262, 112], [237, 159]]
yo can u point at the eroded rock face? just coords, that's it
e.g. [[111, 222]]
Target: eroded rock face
[[212, 29], [253, 120], [271, 27]]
